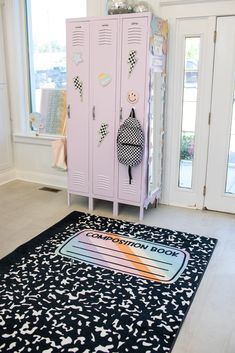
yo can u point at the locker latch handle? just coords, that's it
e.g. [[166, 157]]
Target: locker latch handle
[[93, 112], [121, 114], [68, 111]]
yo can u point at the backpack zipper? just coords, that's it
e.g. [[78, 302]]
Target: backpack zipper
[[130, 144]]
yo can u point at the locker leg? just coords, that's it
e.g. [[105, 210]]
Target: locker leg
[[69, 199], [155, 203], [141, 216], [115, 209], [91, 204]]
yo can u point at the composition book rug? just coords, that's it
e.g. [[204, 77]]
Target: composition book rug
[[91, 284]]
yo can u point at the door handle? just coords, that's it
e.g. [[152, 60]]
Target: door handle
[[93, 112], [68, 111]]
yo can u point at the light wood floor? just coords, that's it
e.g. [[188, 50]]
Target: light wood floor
[[25, 211]]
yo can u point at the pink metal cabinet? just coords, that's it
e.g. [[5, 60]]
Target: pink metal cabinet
[[134, 38], [78, 106], [103, 91], [103, 76]]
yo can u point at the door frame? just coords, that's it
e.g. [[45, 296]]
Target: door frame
[[220, 129], [183, 27]]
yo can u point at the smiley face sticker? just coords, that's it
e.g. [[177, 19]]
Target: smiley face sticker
[[132, 97]]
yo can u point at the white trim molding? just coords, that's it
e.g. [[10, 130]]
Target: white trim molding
[[43, 140], [59, 181], [16, 62], [7, 175], [42, 178]]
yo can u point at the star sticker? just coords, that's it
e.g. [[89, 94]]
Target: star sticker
[[77, 58]]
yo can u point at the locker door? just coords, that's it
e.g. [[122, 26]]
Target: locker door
[[135, 42], [78, 102], [103, 88]]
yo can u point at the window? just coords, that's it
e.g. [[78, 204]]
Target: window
[[189, 109], [230, 182], [47, 54]]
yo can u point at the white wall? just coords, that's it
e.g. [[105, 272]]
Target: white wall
[[34, 159], [98, 7], [173, 9], [6, 165]]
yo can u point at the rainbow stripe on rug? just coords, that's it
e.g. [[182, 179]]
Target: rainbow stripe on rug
[[120, 253]]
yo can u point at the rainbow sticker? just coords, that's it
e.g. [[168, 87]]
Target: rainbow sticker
[[153, 261], [104, 79]]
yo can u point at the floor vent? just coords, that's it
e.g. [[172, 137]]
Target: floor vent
[[45, 188]]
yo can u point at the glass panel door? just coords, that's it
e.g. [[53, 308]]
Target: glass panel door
[[189, 97], [220, 194]]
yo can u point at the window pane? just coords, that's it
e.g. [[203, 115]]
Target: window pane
[[189, 116], [47, 43], [230, 182], [189, 111]]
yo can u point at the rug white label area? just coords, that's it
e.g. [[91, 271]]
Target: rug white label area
[[153, 261]]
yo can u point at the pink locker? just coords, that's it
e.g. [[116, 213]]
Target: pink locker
[[78, 72], [115, 64], [103, 94], [133, 88]]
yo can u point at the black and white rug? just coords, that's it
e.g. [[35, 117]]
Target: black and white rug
[[92, 284]]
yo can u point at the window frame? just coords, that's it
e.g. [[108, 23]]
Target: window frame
[[181, 28], [33, 70]]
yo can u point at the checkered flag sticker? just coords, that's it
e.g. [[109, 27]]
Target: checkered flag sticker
[[132, 60], [103, 131], [78, 84]]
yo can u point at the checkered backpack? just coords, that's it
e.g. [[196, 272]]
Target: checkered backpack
[[130, 143]]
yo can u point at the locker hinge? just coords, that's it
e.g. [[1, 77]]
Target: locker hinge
[[215, 36], [209, 119], [204, 190]]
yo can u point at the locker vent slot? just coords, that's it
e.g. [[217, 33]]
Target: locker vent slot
[[134, 35], [78, 37], [105, 36], [79, 180], [129, 189], [103, 183]]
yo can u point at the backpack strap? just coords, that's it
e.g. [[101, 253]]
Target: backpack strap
[[129, 173], [132, 113]]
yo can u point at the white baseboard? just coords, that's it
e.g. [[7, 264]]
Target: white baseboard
[[6, 176], [45, 179]]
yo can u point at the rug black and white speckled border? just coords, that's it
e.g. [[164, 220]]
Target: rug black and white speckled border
[[51, 303]]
